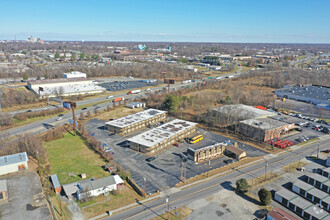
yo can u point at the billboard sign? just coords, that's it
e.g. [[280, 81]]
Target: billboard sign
[[66, 105]]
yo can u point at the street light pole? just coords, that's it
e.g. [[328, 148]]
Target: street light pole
[[168, 207], [266, 165]]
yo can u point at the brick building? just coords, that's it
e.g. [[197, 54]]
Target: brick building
[[263, 129]]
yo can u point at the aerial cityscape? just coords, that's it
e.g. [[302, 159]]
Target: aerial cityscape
[[165, 110]]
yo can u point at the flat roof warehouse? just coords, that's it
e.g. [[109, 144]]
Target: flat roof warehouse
[[134, 118], [315, 94], [264, 123], [157, 135]]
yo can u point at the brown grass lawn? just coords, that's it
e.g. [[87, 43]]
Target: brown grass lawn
[[182, 213], [102, 204]]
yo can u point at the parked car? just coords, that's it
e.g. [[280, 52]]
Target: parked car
[[149, 159], [228, 161], [176, 145], [84, 109], [29, 111], [60, 115]]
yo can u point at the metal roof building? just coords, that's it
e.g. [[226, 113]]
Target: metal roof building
[[13, 163], [239, 112], [311, 193], [65, 86], [56, 183], [310, 93], [162, 136], [300, 205], [319, 181], [137, 121]]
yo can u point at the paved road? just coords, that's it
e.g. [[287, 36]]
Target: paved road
[[186, 196], [44, 125]]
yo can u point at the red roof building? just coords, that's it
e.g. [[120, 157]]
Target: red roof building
[[279, 214]]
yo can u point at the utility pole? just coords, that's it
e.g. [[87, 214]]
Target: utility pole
[[72, 106], [266, 165], [145, 181], [168, 207], [181, 112], [183, 170]]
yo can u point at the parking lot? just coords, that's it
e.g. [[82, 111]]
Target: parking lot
[[165, 171], [124, 84], [25, 197], [306, 133]]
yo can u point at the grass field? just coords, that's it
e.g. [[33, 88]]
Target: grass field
[[71, 154], [101, 204]]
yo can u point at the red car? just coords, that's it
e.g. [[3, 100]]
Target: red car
[[176, 145]]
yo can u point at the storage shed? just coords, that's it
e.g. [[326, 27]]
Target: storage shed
[[56, 183], [13, 163]]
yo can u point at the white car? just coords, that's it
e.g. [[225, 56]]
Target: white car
[[110, 96], [59, 119], [147, 90]]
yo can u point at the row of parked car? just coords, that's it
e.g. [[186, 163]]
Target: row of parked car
[[319, 128], [308, 118]]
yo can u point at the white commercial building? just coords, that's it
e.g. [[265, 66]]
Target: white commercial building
[[162, 137], [74, 74], [137, 121], [13, 163], [64, 87]]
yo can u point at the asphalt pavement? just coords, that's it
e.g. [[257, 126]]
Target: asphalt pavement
[[157, 207]]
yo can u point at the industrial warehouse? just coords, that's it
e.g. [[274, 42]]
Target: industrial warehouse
[[63, 87], [263, 129], [135, 122], [162, 137], [316, 94], [231, 114]]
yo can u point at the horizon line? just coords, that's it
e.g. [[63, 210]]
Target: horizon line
[[131, 41]]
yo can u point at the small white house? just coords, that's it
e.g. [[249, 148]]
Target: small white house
[[93, 187], [13, 163]]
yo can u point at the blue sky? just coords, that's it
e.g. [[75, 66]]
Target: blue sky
[[281, 21]]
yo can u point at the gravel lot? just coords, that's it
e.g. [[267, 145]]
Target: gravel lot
[[225, 204], [25, 197]]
